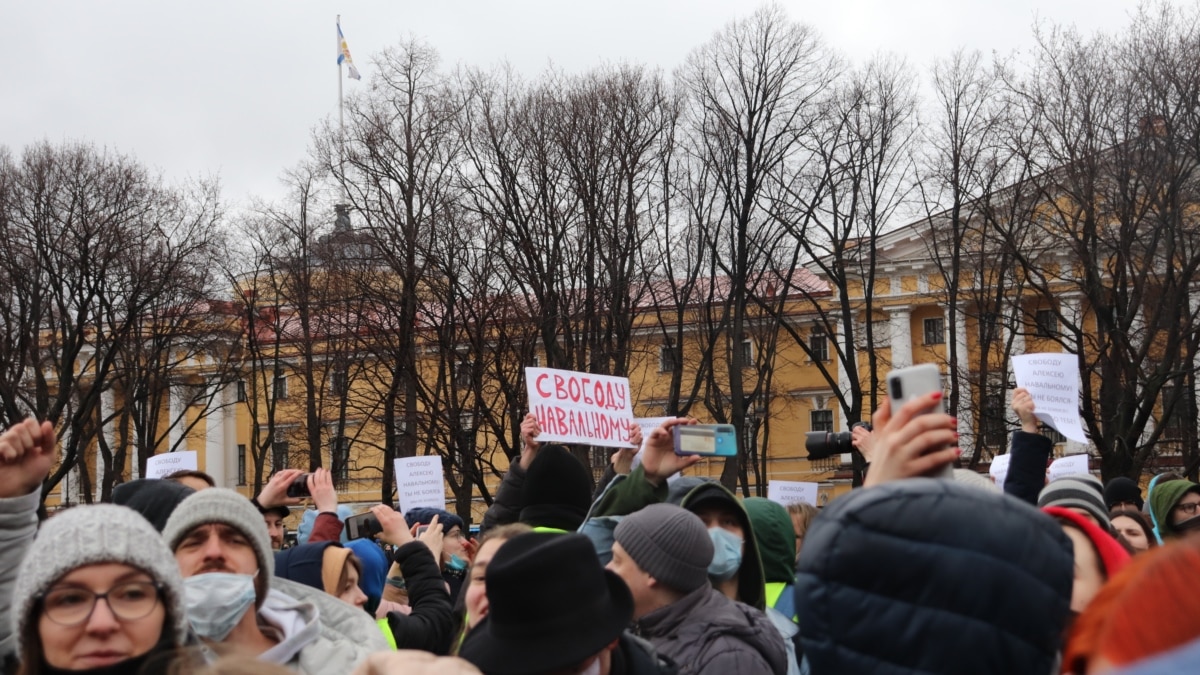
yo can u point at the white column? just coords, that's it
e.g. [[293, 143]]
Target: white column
[[966, 409], [214, 437], [176, 410], [901, 330], [106, 430], [843, 377]]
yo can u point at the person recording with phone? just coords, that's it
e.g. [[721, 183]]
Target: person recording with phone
[[288, 488]]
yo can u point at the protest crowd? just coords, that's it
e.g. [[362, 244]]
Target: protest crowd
[[922, 570]]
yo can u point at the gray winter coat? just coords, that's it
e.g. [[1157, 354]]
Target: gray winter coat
[[321, 634], [706, 633], [18, 526]]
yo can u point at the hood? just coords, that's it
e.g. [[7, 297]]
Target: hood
[[303, 563], [374, 570], [776, 539], [295, 620], [1163, 499], [751, 586], [424, 514]]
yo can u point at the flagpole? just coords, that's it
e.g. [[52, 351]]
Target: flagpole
[[341, 114]]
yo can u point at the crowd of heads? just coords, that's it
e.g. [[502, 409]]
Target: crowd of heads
[[650, 572]]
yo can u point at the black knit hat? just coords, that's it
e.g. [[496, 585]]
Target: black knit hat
[[669, 543], [153, 498], [1122, 489], [551, 606], [557, 490]]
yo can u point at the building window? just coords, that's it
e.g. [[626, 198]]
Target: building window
[[1052, 433], [668, 358], [241, 459], [279, 387], [537, 360], [462, 374], [241, 391], [935, 331], [337, 382], [339, 460], [279, 451], [818, 345], [993, 426], [747, 347], [1046, 323], [820, 420]]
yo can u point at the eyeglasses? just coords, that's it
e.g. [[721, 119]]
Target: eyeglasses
[[1189, 508], [73, 606]]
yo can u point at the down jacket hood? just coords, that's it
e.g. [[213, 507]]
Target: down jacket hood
[[924, 576], [691, 495]]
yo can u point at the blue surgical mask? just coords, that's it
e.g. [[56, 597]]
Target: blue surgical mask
[[727, 554], [456, 564], [216, 602]]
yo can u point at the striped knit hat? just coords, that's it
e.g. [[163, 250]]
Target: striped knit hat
[[1082, 491]]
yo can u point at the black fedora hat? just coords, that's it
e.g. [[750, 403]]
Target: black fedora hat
[[551, 606]]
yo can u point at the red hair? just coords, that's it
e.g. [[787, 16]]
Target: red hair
[[1149, 607]]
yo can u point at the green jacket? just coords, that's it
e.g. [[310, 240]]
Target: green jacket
[[776, 539]]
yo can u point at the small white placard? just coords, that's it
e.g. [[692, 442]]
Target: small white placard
[[1071, 465], [1053, 382], [170, 462], [999, 469], [574, 407], [792, 491], [420, 482]]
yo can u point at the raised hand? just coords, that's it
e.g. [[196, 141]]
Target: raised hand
[[395, 530], [659, 460], [913, 442], [274, 493], [324, 495], [1022, 404], [530, 429], [27, 451]]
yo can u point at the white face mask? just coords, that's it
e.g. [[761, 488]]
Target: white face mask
[[216, 602]]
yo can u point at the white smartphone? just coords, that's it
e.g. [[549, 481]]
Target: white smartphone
[[905, 384]]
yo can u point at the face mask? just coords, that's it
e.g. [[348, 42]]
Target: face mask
[[216, 602], [456, 564], [727, 554]]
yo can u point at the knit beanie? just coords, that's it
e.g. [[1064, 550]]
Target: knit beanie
[[669, 543], [221, 505], [1163, 500], [154, 499], [557, 490], [1082, 491], [1122, 489], [424, 514], [1112, 555], [91, 535]]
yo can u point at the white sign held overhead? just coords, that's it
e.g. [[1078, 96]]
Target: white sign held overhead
[[573, 407], [792, 492], [420, 482], [1071, 465], [999, 469], [170, 462], [1053, 382]]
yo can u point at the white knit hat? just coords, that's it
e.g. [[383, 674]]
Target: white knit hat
[[91, 535], [220, 505]]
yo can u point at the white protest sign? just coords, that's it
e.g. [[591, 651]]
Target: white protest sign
[[419, 482], [573, 407], [792, 492], [1053, 382], [170, 462], [999, 469], [1071, 465]]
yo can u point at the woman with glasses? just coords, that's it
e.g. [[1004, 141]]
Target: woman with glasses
[[98, 592]]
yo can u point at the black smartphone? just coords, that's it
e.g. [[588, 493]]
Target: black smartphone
[[362, 526], [299, 487], [421, 529]]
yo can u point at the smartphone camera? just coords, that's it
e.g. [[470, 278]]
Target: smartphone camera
[[299, 487], [897, 388]]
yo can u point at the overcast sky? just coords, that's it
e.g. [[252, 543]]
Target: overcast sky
[[233, 88]]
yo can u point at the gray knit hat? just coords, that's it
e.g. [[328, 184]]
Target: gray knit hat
[[1082, 491], [220, 505], [90, 535], [669, 543]]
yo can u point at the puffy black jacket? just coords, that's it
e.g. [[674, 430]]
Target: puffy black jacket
[[933, 576]]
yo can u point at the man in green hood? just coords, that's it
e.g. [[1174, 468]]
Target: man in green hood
[[1176, 507]]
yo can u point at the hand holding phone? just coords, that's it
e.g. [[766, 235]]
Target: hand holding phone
[[706, 440], [362, 526], [913, 436]]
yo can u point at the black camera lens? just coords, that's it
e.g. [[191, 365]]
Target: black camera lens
[[897, 388], [299, 486]]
